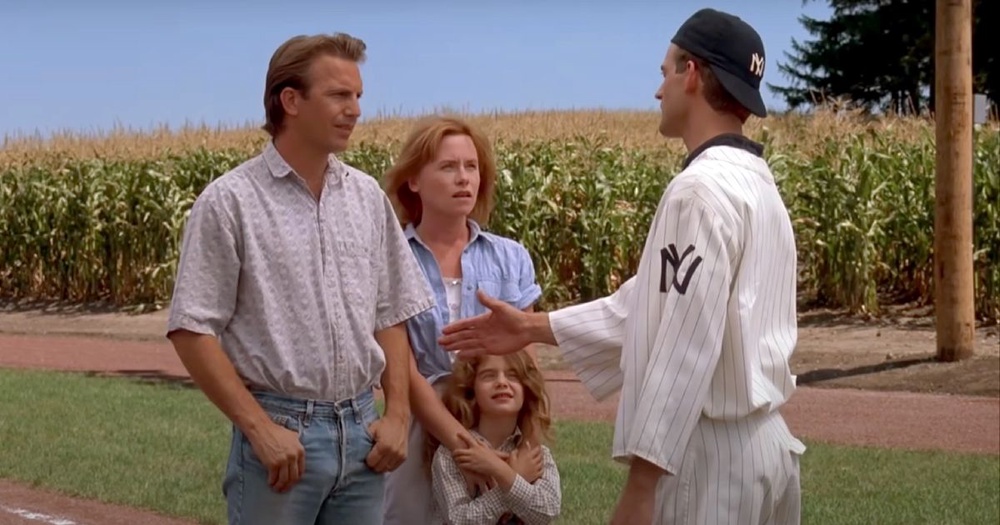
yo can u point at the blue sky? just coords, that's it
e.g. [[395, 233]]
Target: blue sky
[[94, 65]]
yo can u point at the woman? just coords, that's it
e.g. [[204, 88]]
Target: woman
[[442, 189]]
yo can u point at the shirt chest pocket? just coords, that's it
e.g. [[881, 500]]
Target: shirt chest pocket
[[358, 274], [505, 289]]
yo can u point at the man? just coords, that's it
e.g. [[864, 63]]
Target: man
[[292, 290], [699, 340]]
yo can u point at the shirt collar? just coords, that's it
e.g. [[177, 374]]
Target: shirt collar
[[281, 169], [726, 139], [476, 232], [512, 441]]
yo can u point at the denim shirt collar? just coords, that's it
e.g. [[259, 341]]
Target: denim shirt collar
[[475, 233]]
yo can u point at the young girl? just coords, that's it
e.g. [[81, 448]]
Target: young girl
[[502, 401]]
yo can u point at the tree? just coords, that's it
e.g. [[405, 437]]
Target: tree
[[879, 55]]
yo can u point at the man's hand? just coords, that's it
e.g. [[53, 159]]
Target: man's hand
[[634, 509], [391, 431], [636, 505], [276, 447], [391, 434], [281, 453], [502, 330], [527, 461]]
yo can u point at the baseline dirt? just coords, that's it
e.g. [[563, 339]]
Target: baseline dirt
[[23, 505], [895, 353]]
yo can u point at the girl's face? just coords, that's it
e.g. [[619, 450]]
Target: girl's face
[[498, 387], [449, 184]]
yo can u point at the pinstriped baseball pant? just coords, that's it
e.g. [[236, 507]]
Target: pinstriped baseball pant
[[743, 472]]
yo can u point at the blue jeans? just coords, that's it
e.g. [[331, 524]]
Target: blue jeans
[[337, 486]]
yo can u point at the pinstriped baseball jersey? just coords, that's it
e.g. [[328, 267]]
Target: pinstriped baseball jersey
[[701, 335]]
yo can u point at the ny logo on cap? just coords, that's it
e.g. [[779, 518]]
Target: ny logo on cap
[[757, 64]]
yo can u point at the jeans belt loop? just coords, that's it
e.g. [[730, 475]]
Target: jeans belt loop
[[309, 412]]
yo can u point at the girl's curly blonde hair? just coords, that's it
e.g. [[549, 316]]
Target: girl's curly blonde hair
[[459, 397]]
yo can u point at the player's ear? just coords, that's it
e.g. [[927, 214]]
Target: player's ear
[[692, 77]]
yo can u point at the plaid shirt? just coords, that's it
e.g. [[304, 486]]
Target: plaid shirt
[[526, 503]]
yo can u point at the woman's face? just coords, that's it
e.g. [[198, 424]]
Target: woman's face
[[449, 184]]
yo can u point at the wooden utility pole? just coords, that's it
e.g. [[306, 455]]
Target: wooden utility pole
[[953, 283]]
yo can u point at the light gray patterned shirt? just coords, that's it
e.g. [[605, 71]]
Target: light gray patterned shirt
[[295, 288]]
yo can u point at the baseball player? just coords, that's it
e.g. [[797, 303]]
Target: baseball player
[[698, 341]]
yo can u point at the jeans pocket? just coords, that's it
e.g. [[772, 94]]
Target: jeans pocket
[[285, 421], [368, 416], [289, 422]]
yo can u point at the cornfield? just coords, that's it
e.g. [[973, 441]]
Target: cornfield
[[100, 218]]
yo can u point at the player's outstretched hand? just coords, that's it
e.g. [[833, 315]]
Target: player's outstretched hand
[[501, 330]]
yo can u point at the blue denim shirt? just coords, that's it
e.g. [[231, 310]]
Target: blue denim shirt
[[500, 266]]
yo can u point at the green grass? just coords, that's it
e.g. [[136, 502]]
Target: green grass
[[164, 447]]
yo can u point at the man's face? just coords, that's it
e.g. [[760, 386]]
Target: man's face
[[673, 106], [327, 114]]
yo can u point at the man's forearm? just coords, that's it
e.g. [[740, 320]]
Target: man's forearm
[[216, 376], [643, 476], [395, 378]]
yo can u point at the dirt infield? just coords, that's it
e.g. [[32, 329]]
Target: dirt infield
[[852, 377], [22, 505], [894, 353]]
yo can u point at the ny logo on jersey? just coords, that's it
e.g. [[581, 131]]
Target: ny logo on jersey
[[669, 256]]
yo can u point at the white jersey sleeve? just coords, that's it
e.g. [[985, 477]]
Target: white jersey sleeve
[[676, 338], [590, 337]]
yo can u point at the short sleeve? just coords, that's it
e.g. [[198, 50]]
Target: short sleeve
[[205, 287], [403, 291], [529, 289]]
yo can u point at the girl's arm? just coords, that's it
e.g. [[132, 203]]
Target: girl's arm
[[537, 503], [452, 497], [431, 412]]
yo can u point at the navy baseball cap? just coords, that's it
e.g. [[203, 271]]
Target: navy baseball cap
[[733, 50]]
